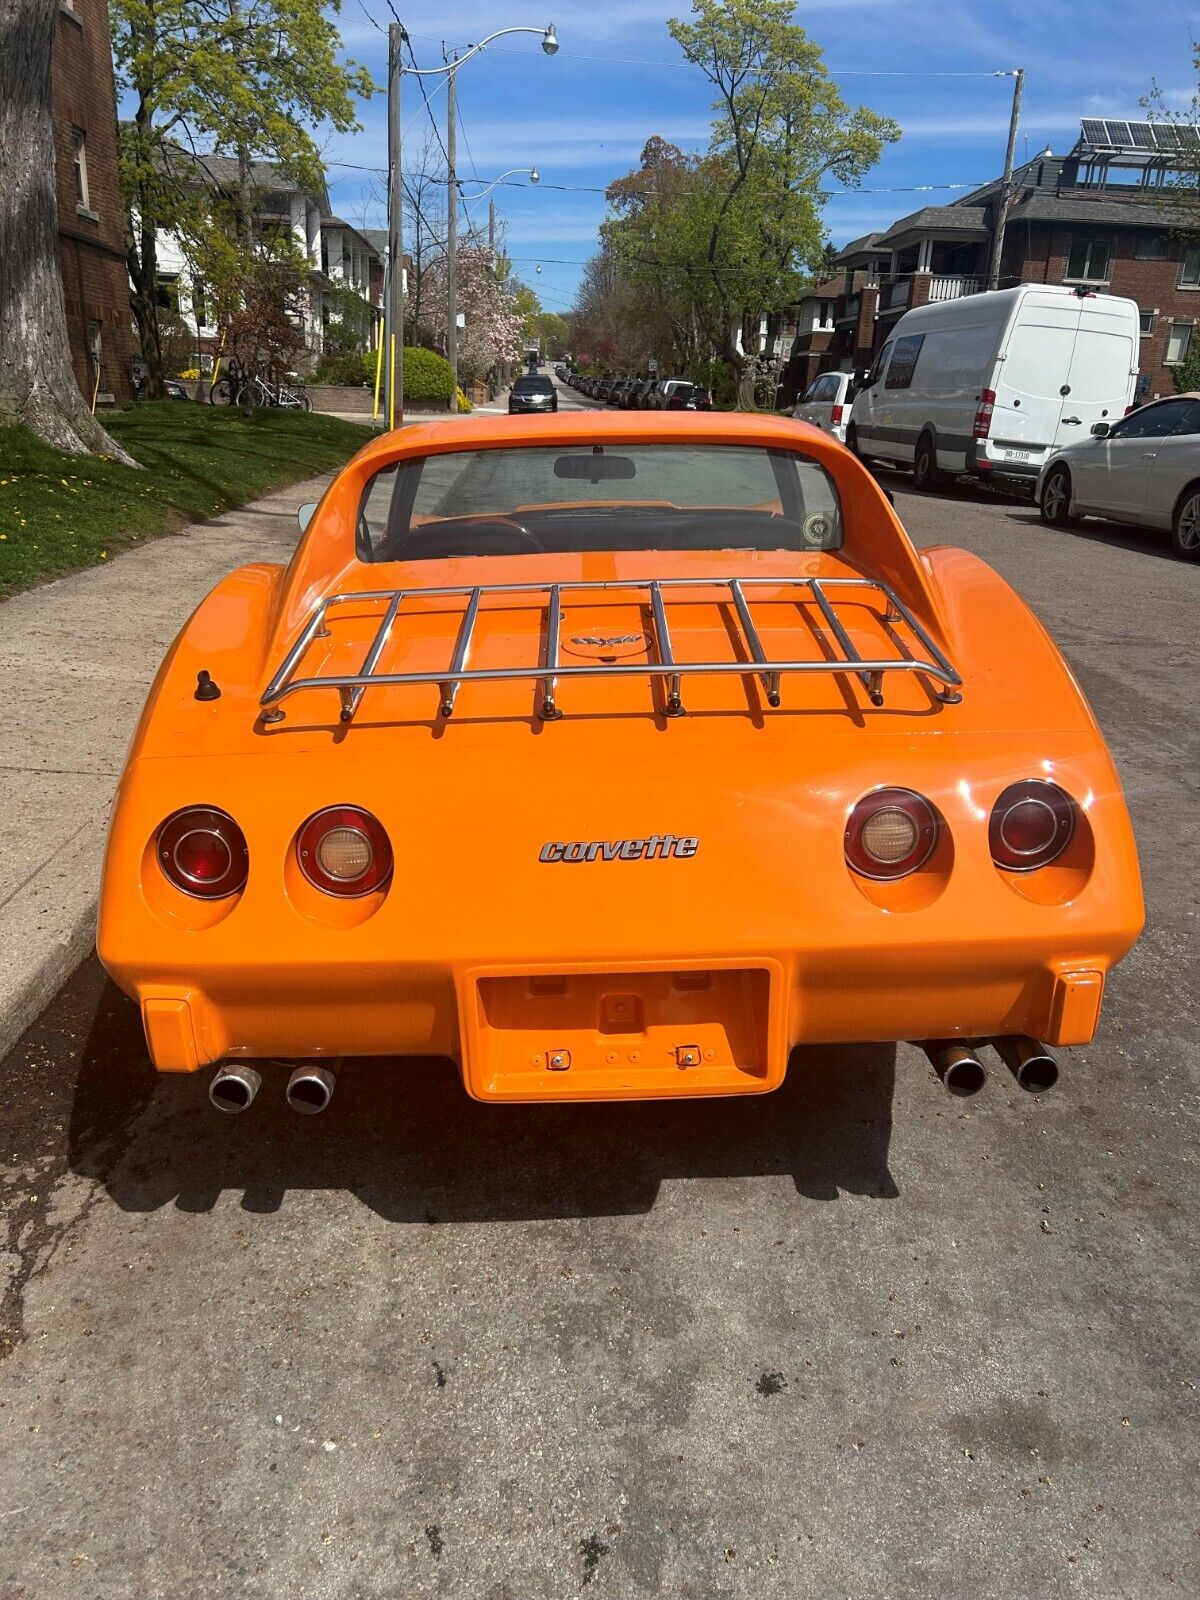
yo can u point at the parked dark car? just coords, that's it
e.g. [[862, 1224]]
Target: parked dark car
[[174, 390], [681, 398], [603, 389], [629, 399], [645, 397], [532, 391]]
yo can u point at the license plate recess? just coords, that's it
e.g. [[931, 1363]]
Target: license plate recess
[[623, 1035]]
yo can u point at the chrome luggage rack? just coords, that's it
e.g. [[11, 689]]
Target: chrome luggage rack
[[551, 670]]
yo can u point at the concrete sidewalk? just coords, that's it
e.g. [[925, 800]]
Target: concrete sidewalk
[[77, 658]]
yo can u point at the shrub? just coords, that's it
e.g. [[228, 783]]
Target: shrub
[[427, 377], [350, 370], [463, 403]]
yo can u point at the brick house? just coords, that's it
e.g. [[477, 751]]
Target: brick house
[[91, 211], [1098, 218]]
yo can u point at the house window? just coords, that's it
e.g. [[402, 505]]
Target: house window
[[824, 314], [1179, 338], [166, 295], [79, 156], [1151, 247], [1090, 260], [1146, 319], [1189, 272]]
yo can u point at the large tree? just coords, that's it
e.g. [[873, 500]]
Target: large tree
[[243, 78], [745, 233], [37, 381]]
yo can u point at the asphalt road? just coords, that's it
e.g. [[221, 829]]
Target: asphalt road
[[855, 1339]]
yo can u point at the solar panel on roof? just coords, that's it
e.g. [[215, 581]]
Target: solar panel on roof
[[1142, 135], [1118, 133], [1094, 132], [1189, 138], [1166, 135]]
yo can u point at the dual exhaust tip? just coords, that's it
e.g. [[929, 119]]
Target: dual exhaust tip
[[310, 1088], [963, 1073]]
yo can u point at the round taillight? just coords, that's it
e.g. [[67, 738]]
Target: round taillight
[[203, 852], [344, 850], [890, 833], [1031, 823]]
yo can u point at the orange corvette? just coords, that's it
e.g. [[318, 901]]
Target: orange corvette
[[613, 756]]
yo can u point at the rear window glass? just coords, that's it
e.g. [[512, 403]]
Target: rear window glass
[[558, 498], [532, 385]]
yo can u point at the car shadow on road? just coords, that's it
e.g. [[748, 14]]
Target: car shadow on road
[[403, 1136], [1120, 535]]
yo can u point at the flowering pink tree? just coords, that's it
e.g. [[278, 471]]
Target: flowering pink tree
[[492, 325]]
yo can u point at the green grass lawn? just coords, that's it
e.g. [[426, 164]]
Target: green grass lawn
[[60, 512]]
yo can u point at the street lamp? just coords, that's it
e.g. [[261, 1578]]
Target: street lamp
[[450, 71], [529, 172]]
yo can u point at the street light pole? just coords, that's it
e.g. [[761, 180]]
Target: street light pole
[[452, 233], [393, 352], [1005, 196]]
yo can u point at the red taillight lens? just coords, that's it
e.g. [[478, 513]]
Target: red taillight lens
[[983, 414], [835, 415], [203, 852], [1031, 824], [344, 850], [891, 832]]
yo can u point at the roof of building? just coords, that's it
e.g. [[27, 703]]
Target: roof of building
[[932, 219], [1039, 205], [858, 247], [377, 238], [828, 290], [267, 177], [359, 233]]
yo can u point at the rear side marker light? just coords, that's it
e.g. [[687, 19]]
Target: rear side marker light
[[203, 852], [344, 850], [1031, 824], [890, 833]]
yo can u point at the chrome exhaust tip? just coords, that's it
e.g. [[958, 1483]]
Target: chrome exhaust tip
[[959, 1068], [310, 1089], [1030, 1063], [233, 1088]]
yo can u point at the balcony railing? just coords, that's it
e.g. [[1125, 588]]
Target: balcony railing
[[953, 288]]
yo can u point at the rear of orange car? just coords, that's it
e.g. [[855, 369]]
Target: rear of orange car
[[619, 894]]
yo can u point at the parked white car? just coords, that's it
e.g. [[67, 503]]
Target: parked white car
[[826, 403], [1145, 469], [992, 384]]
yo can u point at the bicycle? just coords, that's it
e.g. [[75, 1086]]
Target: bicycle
[[261, 391]]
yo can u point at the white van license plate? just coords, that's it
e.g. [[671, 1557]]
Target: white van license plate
[[1016, 455]]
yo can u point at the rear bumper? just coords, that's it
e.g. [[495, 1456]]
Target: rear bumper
[[685, 1025]]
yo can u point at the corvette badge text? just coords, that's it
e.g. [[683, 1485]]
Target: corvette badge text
[[658, 844]]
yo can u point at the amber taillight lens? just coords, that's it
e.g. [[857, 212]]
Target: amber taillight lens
[[1031, 823], [344, 850], [890, 833], [203, 852]]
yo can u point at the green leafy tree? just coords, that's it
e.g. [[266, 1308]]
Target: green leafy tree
[[747, 233], [244, 78]]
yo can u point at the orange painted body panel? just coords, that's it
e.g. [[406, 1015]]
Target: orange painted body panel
[[760, 939]]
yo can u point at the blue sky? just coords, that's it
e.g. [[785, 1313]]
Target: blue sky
[[582, 116]]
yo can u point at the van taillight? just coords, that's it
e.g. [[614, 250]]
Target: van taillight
[[835, 416], [983, 414]]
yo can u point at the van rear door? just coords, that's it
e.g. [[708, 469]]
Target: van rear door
[[1033, 372], [1103, 366]]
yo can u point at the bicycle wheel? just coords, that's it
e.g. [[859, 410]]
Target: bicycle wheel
[[304, 401], [248, 396], [221, 393]]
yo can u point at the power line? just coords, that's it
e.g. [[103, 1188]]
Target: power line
[[588, 188]]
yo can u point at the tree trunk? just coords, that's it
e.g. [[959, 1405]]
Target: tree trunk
[[37, 381]]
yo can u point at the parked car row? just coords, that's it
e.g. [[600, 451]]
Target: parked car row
[[1029, 387], [642, 394]]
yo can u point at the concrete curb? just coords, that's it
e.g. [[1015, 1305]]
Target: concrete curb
[[46, 929]]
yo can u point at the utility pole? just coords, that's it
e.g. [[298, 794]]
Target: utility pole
[[1005, 196], [452, 234], [492, 229], [393, 363]]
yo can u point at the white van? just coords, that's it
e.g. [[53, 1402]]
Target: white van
[[991, 384]]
